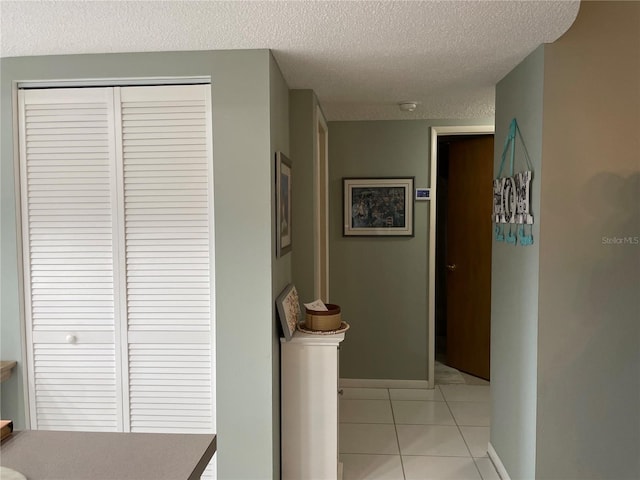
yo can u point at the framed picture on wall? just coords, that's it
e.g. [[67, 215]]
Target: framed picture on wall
[[378, 206], [283, 203]]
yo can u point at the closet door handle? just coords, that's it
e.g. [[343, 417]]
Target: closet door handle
[[72, 338]]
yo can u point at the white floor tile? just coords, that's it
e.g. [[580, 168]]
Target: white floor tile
[[477, 439], [414, 412], [471, 380], [367, 393], [439, 468], [487, 470], [371, 467], [431, 440], [475, 414], [445, 375], [466, 393], [416, 394], [368, 438], [365, 411]]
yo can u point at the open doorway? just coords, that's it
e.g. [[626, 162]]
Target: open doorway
[[453, 269]]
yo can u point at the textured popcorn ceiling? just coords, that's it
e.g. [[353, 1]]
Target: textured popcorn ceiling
[[361, 57]]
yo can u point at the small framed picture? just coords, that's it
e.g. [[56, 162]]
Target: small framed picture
[[378, 206], [283, 202], [289, 311]]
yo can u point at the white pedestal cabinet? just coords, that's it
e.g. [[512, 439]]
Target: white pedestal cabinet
[[309, 416]]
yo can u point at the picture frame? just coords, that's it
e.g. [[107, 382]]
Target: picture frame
[[289, 311], [378, 206], [283, 205]]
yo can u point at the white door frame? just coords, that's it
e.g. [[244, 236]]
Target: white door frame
[[433, 172], [321, 211]]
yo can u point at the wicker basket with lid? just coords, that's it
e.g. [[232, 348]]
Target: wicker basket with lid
[[323, 320]]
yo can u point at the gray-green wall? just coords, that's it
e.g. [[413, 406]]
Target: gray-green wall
[[381, 283], [589, 305], [281, 266], [304, 154], [245, 87], [583, 380], [514, 281]]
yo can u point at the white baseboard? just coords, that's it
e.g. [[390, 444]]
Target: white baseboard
[[495, 459], [381, 383]]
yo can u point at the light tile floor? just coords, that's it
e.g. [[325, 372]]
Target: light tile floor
[[411, 434]]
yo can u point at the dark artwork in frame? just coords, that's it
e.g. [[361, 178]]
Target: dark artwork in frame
[[283, 203], [378, 206]]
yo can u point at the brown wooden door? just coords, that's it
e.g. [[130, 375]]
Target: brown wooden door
[[469, 230]]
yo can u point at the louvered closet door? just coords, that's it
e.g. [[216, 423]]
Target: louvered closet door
[[67, 195], [168, 226]]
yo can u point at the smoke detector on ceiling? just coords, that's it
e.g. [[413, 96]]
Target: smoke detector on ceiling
[[408, 106]]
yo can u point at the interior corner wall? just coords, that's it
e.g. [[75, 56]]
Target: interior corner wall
[[589, 306], [282, 275], [381, 283], [514, 281], [304, 154], [243, 199]]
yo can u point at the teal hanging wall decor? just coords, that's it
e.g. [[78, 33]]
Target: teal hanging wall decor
[[512, 196]]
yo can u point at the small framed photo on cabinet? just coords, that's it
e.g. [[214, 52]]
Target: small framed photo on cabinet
[[289, 311]]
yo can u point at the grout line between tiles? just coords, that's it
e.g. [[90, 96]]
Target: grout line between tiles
[[463, 437], [440, 456], [415, 400], [367, 423], [395, 427], [372, 454]]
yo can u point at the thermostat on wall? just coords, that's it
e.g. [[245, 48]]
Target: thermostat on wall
[[423, 194]]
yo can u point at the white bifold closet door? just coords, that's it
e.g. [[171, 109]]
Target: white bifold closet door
[[117, 220], [68, 187], [168, 234]]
